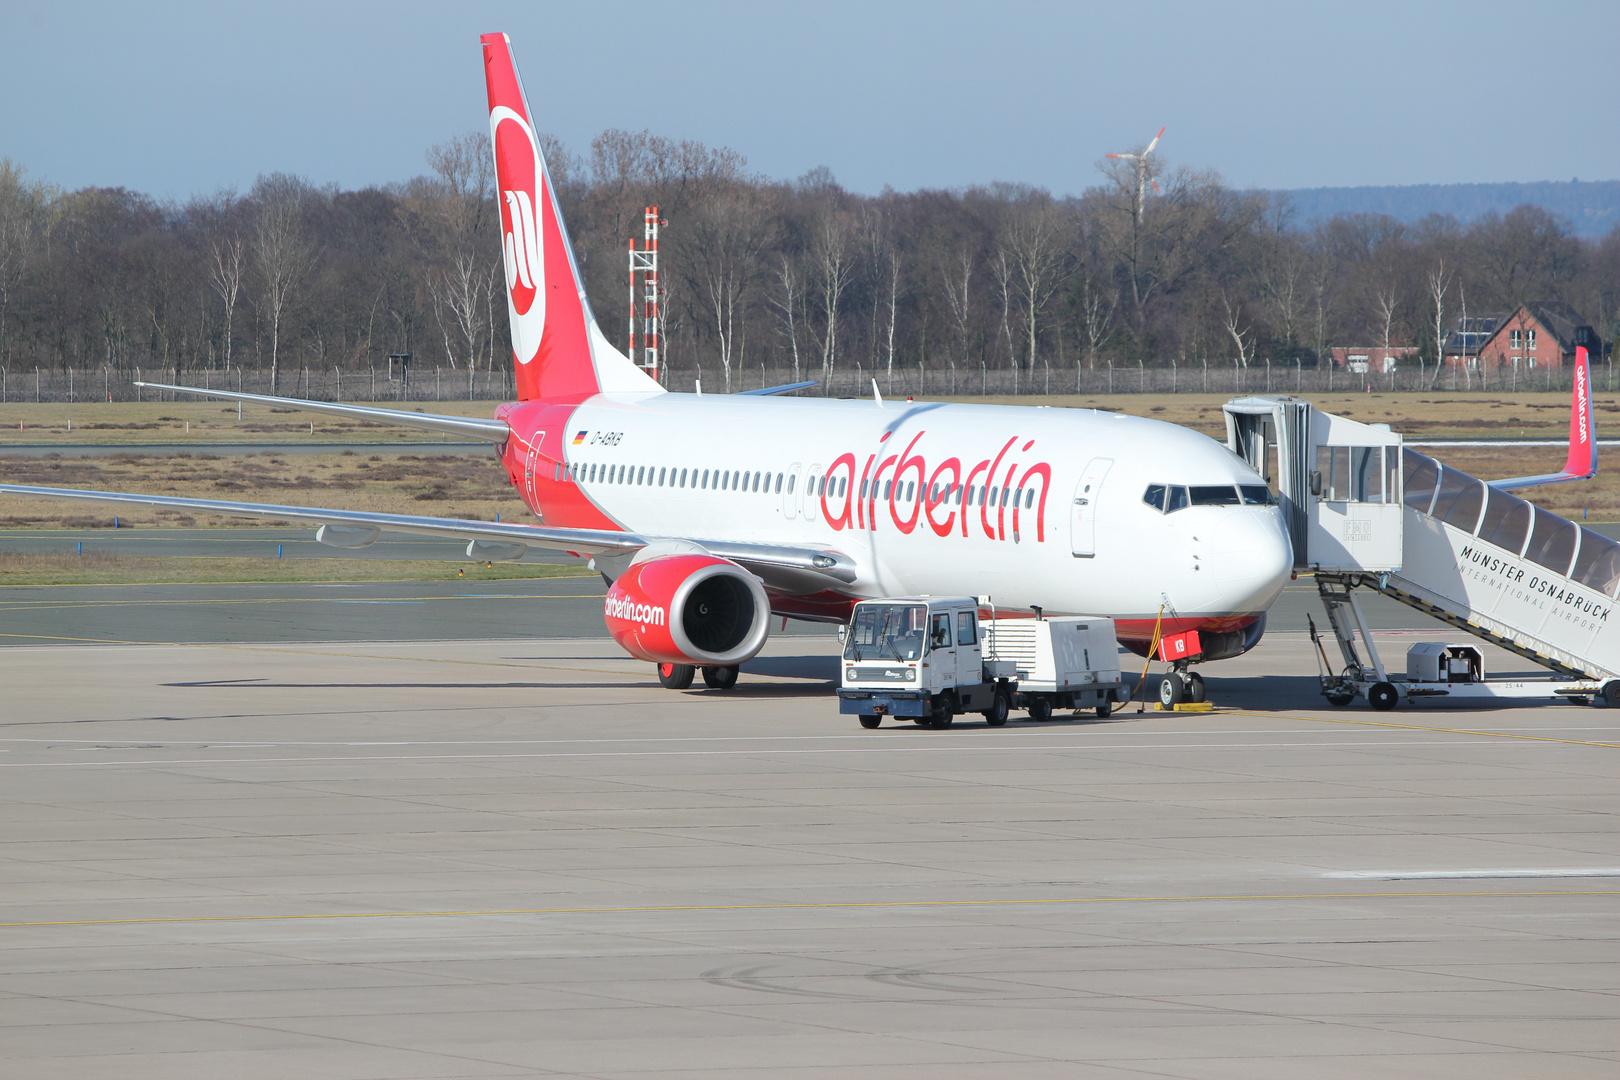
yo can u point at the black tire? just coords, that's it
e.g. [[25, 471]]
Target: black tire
[[720, 678], [1172, 691], [1195, 687], [676, 676], [1105, 710], [996, 714], [1382, 696], [1340, 697], [1611, 694], [1040, 708], [870, 720]]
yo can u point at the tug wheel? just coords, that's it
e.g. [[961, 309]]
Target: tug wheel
[[1382, 696], [1340, 696], [870, 720]]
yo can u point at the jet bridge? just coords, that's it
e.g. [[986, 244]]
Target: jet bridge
[[1365, 512]]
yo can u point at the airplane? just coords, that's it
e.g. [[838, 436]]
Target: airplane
[[709, 515]]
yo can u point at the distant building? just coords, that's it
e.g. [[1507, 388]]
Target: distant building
[[1539, 334], [1463, 343], [1374, 358]]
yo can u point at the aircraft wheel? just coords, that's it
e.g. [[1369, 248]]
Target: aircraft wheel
[[1040, 709], [870, 720], [720, 678], [1172, 691], [1382, 696], [676, 676], [996, 714], [1195, 687]]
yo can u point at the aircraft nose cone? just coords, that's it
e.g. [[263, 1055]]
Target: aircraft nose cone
[[1250, 558]]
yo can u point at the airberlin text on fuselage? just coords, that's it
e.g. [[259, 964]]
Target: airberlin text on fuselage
[[854, 490], [630, 611]]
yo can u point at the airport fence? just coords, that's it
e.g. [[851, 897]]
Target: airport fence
[[379, 384]]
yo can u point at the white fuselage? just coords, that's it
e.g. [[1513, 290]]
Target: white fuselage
[[1029, 506]]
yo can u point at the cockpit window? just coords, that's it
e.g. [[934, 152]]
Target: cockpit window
[[1176, 499], [1257, 495], [1223, 495], [1154, 496]]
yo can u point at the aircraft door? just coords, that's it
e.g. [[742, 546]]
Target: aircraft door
[[1082, 512], [531, 481], [812, 495], [791, 493]]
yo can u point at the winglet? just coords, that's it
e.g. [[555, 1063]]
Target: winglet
[[1582, 462]]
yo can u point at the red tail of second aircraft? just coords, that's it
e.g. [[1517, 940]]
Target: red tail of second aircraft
[[558, 352]]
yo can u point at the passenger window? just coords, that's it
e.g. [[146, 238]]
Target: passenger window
[[967, 632], [941, 637], [791, 479], [1029, 499]]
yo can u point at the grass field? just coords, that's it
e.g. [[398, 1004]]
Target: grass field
[[394, 480], [103, 569]]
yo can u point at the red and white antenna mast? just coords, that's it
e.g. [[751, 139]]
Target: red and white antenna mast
[[645, 263]]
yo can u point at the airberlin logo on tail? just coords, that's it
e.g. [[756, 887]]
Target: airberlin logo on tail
[[630, 611], [1580, 398], [523, 195]]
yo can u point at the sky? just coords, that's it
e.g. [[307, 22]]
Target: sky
[[178, 99]]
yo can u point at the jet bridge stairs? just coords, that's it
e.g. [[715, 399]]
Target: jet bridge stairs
[[1364, 512]]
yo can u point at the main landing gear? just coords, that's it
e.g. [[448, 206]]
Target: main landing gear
[[680, 676], [1179, 685]]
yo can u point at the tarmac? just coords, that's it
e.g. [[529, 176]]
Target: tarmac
[[407, 830]]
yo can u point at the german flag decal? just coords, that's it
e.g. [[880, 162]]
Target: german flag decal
[[579, 437]]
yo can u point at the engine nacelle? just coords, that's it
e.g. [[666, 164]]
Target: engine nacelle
[[688, 609]]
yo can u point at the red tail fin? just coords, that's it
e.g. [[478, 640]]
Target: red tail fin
[[558, 351], [1582, 438]]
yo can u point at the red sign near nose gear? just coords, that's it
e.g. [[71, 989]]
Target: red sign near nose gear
[[1182, 646]]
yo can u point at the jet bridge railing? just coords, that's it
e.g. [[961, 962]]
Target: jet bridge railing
[[1506, 570]]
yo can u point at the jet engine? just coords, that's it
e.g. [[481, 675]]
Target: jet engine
[[688, 609]]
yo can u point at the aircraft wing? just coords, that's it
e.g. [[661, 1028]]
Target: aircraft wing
[[787, 568], [494, 431], [1582, 462]]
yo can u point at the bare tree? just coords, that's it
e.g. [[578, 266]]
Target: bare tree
[[787, 309], [834, 267], [1097, 307], [1242, 338], [282, 252], [958, 280], [225, 272], [1386, 299], [1003, 271], [1034, 241], [726, 236], [1439, 281]]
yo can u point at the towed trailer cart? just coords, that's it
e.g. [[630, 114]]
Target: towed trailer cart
[[931, 659]]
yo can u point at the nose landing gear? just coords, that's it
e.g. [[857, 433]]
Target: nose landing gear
[[1180, 685]]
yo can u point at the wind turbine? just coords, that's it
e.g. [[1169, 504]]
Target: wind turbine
[[1142, 177]]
